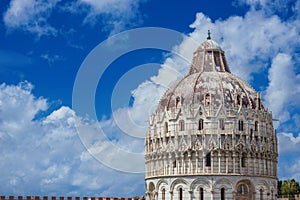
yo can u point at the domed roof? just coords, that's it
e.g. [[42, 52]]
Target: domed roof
[[210, 82], [209, 44]]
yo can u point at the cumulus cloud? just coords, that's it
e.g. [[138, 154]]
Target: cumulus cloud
[[249, 41], [45, 156], [282, 7], [118, 14], [289, 156], [33, 16], [283, 90]]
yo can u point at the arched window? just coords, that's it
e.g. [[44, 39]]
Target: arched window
[[177, 102], [243, 161], [208, 160], [207, 100], [163, 194], [180, 194], [166, 128], [261, 194], [238, 100], [242, 189], [200, 125], [181, 125], [272, 194], [174, 163], [221, 124], [222, 193], [256, 126], [241, 125], [201, 194]]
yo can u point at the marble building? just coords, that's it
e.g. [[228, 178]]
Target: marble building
[[211, 137]]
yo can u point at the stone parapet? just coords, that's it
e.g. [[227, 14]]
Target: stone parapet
[[66, 198]]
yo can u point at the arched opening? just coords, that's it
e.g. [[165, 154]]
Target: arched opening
[[241, 125], [207, 100], [208, 160], [261, 194], [181, 125], [243, 190], [180, 195], [243, 160], [200, 125], [272, 194], [151, 189], [177, 102], [222, 193], [163, 194], [201, 194], [238, 100], [256, 126], [174, 163], [221, 124], [166, 127]]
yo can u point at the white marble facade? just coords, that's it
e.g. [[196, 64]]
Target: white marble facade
[[211, 137]]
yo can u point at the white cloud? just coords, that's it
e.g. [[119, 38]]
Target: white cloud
[[289, 156], [49, 153], [249, 41], [33, 16], [117, 14], [281, 7], [284, 87], [51, 58]]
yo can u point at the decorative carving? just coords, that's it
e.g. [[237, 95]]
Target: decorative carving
[[196, 145], [170, 146], [182, 145], [226, 143]]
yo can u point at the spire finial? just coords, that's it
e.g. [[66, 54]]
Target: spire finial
[[208, 33]]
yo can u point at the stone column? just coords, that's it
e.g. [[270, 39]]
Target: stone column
[[171, 168], [240, 163], [177, 164], [164, 159], [219, 160], [247, 163], [226, 155], [233, 160], [258, 164], [171, 195], [197, 159], [253, 162], [203, 162], [191, 194], [183, 164], [211, 162]]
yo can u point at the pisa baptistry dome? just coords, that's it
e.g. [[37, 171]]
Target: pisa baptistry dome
[[211, 137]]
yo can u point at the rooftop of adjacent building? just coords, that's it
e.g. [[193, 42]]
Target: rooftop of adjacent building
[[66, 198]]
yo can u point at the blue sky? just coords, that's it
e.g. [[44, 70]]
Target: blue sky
[[43, 48]]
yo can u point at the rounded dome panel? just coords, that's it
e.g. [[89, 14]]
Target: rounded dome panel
[[210, 83], [209, 44]]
